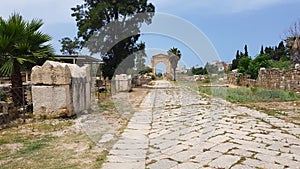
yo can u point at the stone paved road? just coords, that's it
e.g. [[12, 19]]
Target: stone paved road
[[177, 129]]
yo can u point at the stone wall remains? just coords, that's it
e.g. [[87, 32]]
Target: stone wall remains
[[140, 80], [60, 89], [269, 78]]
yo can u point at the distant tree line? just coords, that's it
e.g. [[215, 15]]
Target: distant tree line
[[207, 69], [198, 71], [268, 57]]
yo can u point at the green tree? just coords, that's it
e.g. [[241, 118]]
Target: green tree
[[69, 46], [262, 50], [257, 63], [238, 56], [269, 50], [175, 56], [243, 64], [22, 46], [199, 71], [246, 50], [235, 61], [147, 69], [111, 28]]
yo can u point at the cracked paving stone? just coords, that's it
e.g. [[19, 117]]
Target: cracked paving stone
[[174, 130], [224, 161], [164, 163]]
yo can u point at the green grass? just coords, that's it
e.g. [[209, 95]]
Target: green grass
[[36, 145], [102, 158], [246, 95], [107, 104], [32, 146], [10, 138]]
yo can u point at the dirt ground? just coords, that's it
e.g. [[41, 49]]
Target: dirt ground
[[66, 143], [288, 111]]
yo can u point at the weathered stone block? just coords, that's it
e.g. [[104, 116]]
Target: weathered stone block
[[123, 82], [61, 89], [51, 73], [52, 101]]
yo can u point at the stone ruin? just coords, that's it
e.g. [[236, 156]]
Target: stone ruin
[[60, 89], [269, 78], [140, 80], [122, 83]]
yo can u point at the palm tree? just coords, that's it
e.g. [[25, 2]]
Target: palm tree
[[22, 46], [175, 56]]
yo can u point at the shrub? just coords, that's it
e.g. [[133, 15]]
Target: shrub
[[238, 81], [153, 77], [206, 80], [253, 89]]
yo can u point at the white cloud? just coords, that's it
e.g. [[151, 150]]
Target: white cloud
[[215, 6], [51, 11]]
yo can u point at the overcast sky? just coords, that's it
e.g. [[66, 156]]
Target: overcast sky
[[228, 24]]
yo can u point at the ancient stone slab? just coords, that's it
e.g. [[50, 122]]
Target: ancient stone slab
[[106, 138], [223, 148], [51, 73], [240, 152], [136, 165], [165, 163], [52, 100], [124, 159], [206, 157], [241, 167], [188, 165], [60, 89], [122, 82], [260, 164], [224, 161], [185, 155]]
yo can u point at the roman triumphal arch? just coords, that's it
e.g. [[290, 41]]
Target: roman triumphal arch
[[161, 58]]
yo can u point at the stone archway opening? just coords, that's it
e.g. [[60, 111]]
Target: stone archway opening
[[160, 69], [165, 59]]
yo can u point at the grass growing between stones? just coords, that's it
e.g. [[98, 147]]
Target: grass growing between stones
[[242, 159], [102, 157]]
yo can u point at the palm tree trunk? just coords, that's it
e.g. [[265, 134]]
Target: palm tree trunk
[[17, 91], [174, 71]]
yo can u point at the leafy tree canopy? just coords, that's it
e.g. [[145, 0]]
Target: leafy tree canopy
[[244, 64], [69, 46], [199, 71], [111, 28]]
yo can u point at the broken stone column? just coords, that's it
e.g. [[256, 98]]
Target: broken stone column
[[60, 89]]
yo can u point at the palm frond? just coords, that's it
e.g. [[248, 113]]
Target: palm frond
[[7, 68], [22, 44]]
